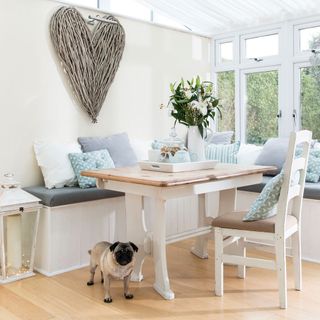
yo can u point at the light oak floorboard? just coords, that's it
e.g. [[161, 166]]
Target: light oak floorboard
[[67, 296]]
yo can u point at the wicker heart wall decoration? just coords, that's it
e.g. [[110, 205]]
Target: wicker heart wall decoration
[[89, 59]]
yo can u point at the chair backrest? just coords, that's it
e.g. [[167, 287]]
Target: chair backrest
[[295, 169]]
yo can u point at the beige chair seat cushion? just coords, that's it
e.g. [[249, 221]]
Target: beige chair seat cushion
[[233, 220]]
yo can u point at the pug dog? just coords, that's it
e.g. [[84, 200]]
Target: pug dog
[[115, 261]]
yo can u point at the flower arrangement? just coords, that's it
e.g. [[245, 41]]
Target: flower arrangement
[[193, 103]]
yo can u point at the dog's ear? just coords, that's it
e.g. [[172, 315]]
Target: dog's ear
[[134, 247], [113, 246]]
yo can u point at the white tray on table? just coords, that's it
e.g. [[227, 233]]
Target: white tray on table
[[177, 167]]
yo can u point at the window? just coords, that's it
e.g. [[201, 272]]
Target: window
[[85, 3], [309, 38], [226, 94], [159, 18], [131, 8], [226, 52], [261, 106], [263, 46], [310, 99]]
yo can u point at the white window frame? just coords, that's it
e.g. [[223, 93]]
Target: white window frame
[[288, 62], [218, 44], [297, 92], [244, 100], [297, 53], [265, 59]]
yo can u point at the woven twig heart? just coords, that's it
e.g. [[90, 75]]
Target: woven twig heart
[[90, 59]]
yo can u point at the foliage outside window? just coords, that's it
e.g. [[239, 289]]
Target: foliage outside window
[[226, 95], [262, 107], [310, 100]]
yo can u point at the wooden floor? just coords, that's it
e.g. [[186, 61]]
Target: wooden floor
[[67, 296]]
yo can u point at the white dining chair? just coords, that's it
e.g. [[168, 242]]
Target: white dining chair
[[230, 228]]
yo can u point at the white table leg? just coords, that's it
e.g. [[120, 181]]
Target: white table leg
[[200, 247], [136, 231], [162, 284]]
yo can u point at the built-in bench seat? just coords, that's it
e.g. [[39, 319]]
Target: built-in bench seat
[[311, 190], [72, 220], [70, 195]]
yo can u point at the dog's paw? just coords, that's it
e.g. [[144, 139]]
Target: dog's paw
[[108, 300], [90, 283], [128, 295]]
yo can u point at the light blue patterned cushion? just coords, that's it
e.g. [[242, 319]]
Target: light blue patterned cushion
[[313, 168], [264, 206], [89, 161], [223, 152]]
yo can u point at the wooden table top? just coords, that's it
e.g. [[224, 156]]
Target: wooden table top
[[165, 179]]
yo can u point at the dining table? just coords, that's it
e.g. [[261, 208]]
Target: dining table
[[215, 188]]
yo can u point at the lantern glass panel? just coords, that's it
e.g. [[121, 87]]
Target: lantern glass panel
[[19, 231]]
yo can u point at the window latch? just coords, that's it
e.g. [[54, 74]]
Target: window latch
[[257, 59], [279, 115], [294, 116]]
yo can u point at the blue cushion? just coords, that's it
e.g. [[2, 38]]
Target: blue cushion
[[313, 168], [223, 152], [118, 145], [89, 161], [263, 207]]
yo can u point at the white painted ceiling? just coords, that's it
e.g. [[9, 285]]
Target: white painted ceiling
[[217, 16]]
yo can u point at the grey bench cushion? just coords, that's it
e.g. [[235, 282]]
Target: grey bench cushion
[[68, 195], [311, 190]]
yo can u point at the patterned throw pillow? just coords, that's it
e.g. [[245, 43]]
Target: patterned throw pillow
[[263, 207], [313, 168], [223, 152], [89, 161]]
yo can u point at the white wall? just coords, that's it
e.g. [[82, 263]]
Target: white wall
[[36, 104]]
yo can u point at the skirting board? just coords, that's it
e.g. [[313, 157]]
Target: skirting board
[[51, 274]]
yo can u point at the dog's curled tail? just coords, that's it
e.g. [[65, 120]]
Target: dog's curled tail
[[89, 251]]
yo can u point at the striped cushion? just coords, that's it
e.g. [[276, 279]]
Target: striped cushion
[[223, 152]]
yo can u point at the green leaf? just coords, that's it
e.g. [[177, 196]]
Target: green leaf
[[201, 130], [172, 87], [198, 81]]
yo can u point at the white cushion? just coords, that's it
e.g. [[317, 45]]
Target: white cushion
[[140, 148], [248, 153], [52, 158]]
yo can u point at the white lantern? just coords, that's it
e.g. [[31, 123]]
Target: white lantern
[[19, 219]]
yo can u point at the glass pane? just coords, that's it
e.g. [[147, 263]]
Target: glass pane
[[310, 100], [131, 8], [262, 106], [161, 19], [19, 230], [226, 52], [86, 3], [309, 38], [262, 46], [226, 94]]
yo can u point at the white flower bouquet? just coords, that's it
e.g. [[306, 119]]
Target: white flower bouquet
[[193, 103]]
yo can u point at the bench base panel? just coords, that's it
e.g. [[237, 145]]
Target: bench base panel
[[66, 233]]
